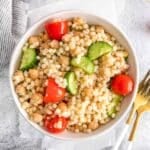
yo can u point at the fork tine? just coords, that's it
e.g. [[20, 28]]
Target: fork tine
[[147, 87], [142, 82], [144, 87]]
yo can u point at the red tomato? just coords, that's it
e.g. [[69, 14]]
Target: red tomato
[[56, 30], [54, 93], [122, 84], [55, 125]]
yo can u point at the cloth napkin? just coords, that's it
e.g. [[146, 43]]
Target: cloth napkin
[[13, 21], [103, 8]]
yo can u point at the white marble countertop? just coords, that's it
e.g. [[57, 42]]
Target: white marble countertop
[[134, 19]]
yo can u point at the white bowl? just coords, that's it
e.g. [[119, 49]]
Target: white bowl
[[117, 33]]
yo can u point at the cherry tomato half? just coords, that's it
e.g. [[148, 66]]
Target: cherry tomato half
[[55, 125], [122, 84], [54, 93], [56, 30]]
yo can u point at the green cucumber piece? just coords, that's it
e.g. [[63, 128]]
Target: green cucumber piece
[[117, 99], [126, 58], [98, 49], [71, 82], [84, 63], [112, 111], [115, 102], [29, 59]]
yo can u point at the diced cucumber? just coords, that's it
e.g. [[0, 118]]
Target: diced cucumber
[[117, 99], [115, 102], [29, 59], [71, 82], [126, 58], [112, 111], [98, 49], [83, 62]]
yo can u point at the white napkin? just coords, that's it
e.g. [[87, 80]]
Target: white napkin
[[103, 8]]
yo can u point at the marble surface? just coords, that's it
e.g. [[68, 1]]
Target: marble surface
[[135, 21], [134, 18]]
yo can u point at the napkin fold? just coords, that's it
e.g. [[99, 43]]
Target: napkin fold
[[13, 21], [104, 8]]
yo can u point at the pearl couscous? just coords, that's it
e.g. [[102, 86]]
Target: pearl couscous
[[64, 81]]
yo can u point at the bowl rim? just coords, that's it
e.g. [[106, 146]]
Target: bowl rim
[[119, 30]]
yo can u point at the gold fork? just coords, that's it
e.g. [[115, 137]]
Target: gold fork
[[140, 111], [140, 100], [144, 92]]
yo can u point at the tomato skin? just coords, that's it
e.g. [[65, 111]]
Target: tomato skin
[[56, 30], [122, 84], [51, 124], [54, 93]]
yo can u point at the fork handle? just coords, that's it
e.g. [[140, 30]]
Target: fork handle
[[130, 144], [131, 115], [121, 136], [124, 131], [135, 125]]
